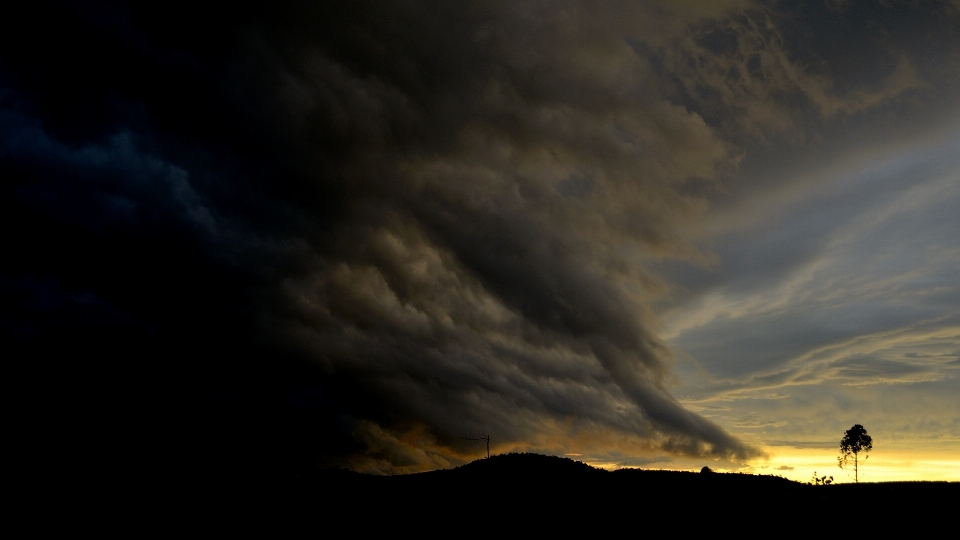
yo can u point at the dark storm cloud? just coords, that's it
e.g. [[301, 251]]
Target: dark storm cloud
[[417, 220], [436, 208], [474, 292]]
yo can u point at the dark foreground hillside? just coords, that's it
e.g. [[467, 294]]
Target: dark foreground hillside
[[550, 494]]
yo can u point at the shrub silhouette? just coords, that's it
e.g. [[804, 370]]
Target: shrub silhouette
[[821, 480]]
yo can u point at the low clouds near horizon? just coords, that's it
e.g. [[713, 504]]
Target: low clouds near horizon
[[396, 226]]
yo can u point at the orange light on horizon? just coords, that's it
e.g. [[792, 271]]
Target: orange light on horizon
[[888, 462]]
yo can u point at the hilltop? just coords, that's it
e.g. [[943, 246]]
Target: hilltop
[[554, 493]]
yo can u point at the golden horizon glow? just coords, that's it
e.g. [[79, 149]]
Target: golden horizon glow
[[898, 461]]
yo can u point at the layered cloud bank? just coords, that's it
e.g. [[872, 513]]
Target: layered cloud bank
[[388, 227]]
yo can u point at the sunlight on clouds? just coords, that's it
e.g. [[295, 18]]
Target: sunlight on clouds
[[925, 345], [862, 275], [836, 303], [845, 267], [612, 230]]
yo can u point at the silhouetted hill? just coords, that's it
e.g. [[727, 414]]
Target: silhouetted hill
[[525, 467], [545, 493]]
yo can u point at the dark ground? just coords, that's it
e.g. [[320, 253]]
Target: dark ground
[[532, 492]]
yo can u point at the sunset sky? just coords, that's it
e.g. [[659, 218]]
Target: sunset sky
[[660, 234]]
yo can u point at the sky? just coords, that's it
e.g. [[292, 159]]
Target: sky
[[659, 234]]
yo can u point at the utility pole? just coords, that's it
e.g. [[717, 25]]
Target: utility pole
[[482, 437]]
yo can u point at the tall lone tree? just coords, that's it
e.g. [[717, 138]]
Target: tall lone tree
[[855, 441]]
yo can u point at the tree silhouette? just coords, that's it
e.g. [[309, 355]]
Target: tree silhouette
[[855, 441]]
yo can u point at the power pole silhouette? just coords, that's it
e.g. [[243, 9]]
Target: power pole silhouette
[[482, 437]]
